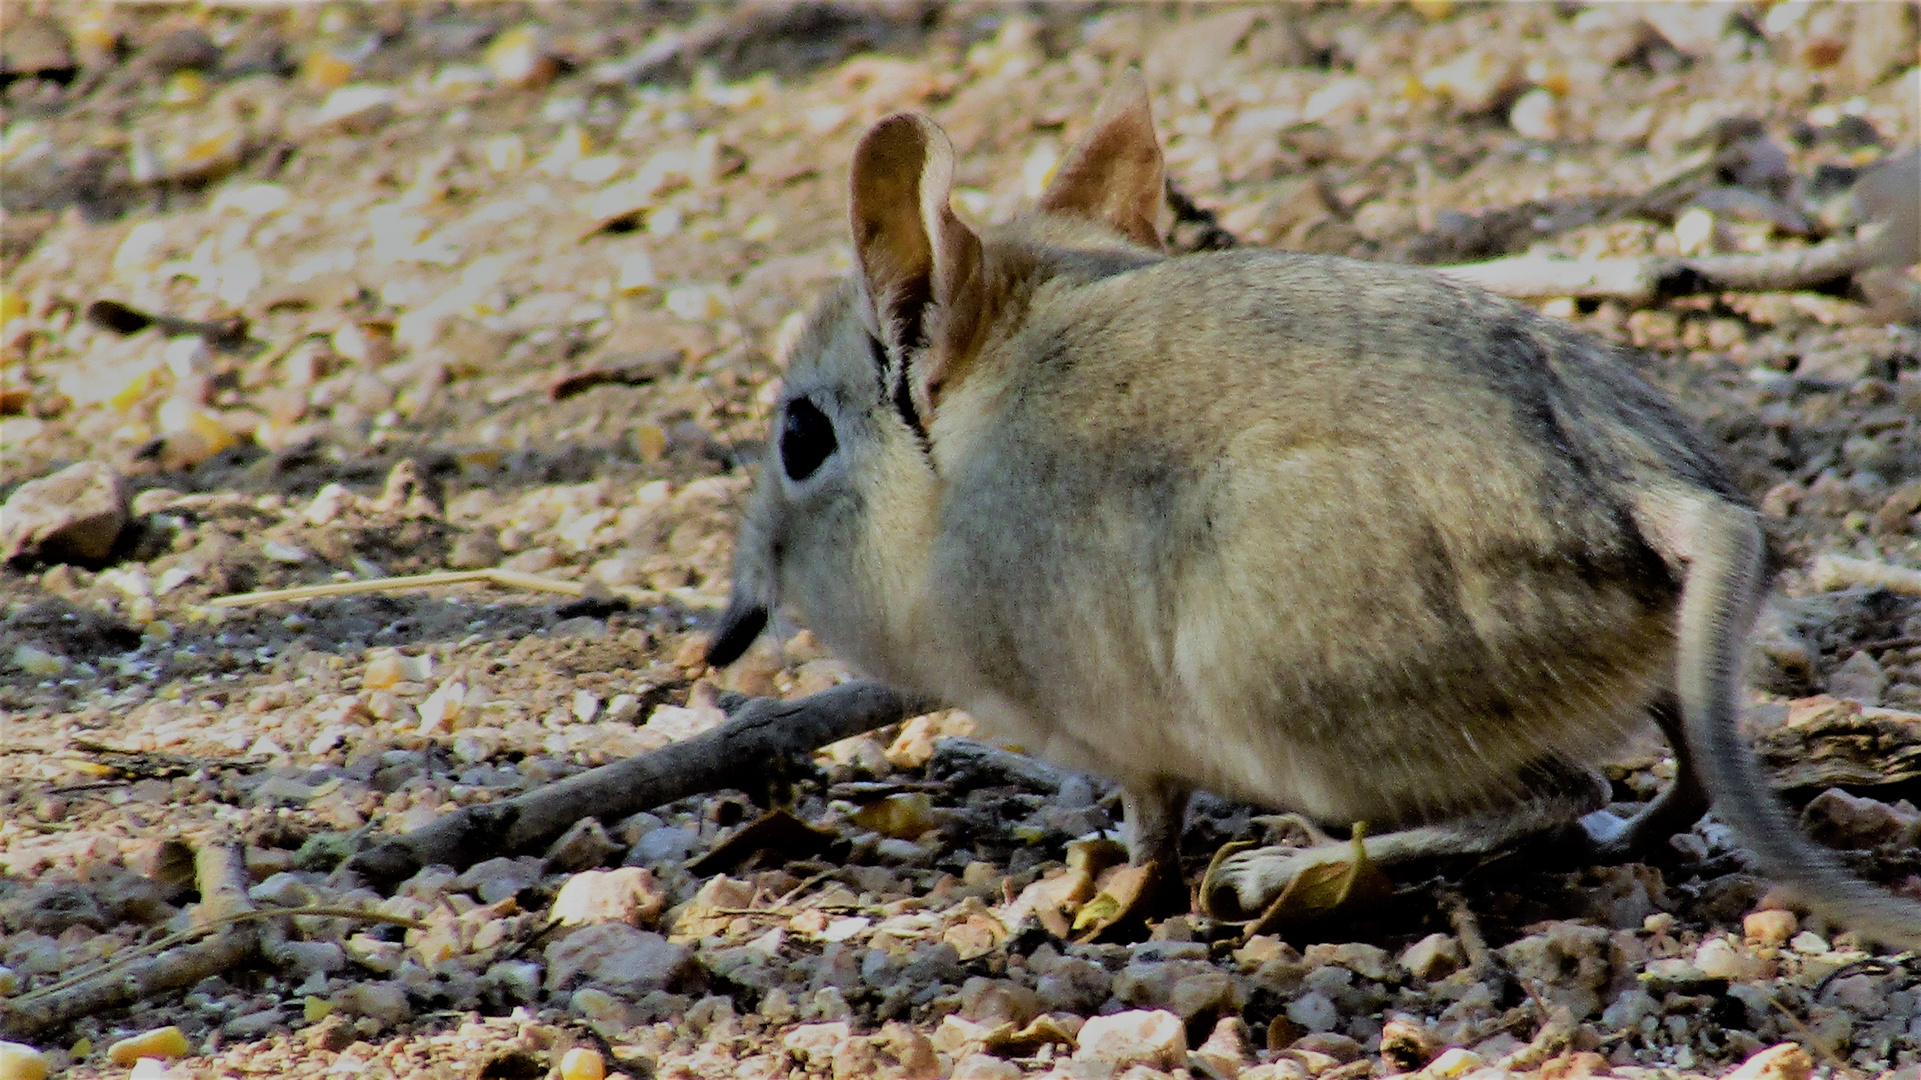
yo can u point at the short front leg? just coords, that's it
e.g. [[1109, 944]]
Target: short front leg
[[1155, 814]]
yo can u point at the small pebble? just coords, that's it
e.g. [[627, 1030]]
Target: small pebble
[[1694, 231], [816, 1043], [985, 1067], [1454, 1061], [1332, 1044], [1535, 115], [382, 671], [586, 705], [1157, 1038], [1435, 956], [1718, 958], [628, 895], [1314, 1011], [166, 1043], [1772, 927], [636, 273], [38, 662], [1808, 944], [1859, 678], [1785, 1061], [442, 707], [582, 1063], [474, 551], [356, 109], [618, 957], [521, 58], [382, 1001], [21, 1062], [1225, 1049]]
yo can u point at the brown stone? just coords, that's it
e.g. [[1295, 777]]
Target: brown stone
[[74, 515]]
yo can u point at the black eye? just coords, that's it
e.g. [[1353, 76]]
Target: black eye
[[806, 439]]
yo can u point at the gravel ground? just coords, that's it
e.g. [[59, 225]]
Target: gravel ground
[[343, 292]]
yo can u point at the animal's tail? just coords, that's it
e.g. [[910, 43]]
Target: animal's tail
[[1725, 579]]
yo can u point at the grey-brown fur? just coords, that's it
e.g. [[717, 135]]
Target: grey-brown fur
[[1335, 537]]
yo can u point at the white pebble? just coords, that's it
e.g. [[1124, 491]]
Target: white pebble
[[1314, 1011], [283, 553], [1534, 115], [698, 303], [359, 108], [1693, 231], [187, 356], [636, 273], [586, 706], [664, 221], [327, 504], [595, 170], [1455, 1061], [846, 928], [623, 708], [1151, 1037], [505, 153], [442, 707], [1808, 943]]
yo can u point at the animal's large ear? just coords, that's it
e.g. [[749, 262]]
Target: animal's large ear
[[920, 265], [1113, 174]]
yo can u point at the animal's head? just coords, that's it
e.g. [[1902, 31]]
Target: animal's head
[[847, 501]]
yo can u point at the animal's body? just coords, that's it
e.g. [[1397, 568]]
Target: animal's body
[[1334, 537]]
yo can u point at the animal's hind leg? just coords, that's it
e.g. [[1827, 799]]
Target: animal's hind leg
[[1674, 810], [1555, 793]]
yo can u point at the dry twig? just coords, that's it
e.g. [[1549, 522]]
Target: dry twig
[[1644, 280], [221, 871], [507, 579], [764, 734], [240, 932], [1831, 572], [1481, 961]]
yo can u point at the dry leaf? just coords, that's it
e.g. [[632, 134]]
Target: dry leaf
[[777, 832], [1122, 891]]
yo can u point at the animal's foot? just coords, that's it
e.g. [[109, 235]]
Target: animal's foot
[[1609, 836], [1648, 836], [1273, 883]]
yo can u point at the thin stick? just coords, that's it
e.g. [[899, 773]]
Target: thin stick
[[1809, 1038], [221, 872], [1481, 961], [394, 584], [121, 959], [753, 747], [1831, 572], [507, 579], [172, 962], [1641, 280]]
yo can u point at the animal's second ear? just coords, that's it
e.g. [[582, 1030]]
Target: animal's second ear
[[1114, 173]]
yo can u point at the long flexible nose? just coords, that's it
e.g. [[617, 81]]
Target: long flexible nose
[[740, 624]]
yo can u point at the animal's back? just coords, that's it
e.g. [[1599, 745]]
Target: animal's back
[[1392, 506]]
